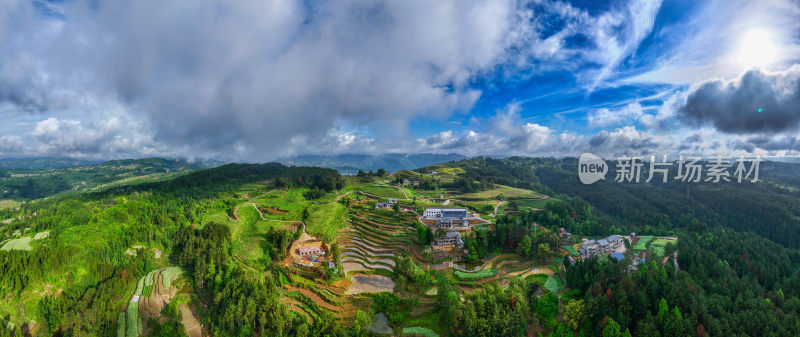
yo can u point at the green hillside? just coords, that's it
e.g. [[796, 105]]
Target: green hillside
[[221, 248]]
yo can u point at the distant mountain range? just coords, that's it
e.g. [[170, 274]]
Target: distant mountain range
[[44, 163], [351, 163], [55, 163]]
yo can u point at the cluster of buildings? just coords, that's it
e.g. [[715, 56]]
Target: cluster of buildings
[[606, 245], [448, 218], [386, 205], [445, 213], [410, 182]]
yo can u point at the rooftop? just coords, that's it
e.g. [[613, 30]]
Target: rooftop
[[451, 235]]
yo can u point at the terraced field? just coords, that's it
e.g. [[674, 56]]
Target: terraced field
[[153, 292], [373, 239], [497, 268], [309, 299], [367, 245]]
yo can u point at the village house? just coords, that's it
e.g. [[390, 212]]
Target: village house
[[605, 246], [388, 204], [450, 238], [383, 205], [305, 251], [410, 182], [450, 223]]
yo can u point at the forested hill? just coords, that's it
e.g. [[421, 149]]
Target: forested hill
[[209, 182], [769, 208], [44, 163], [27, 184], [85, 245]]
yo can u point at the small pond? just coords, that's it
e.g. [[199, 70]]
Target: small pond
[[379, 325]]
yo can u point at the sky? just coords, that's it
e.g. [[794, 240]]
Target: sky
[[255, 80]]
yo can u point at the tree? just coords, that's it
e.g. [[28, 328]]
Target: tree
[[543, 251], [361, 323], [346, 201], [381, 172], [573, 314], [402, 284], [561, 331], [335, 252], [612, 329], [524, 247], [423, 234], [547, 309]]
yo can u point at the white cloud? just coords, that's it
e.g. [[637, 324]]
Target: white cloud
[[605, 117], [505, 133], [10, 144], [227, 77], [711, 40]]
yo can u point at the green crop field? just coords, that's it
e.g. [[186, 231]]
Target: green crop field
[[570, 249], [506, 191], [421, 331], [168, 274], [659, 244], [484, 273], [121, 325], [324, 220], [383, 191], [553, 284], [536, 203], [452, 171], [23, 243], [291, 204], [643, 241]]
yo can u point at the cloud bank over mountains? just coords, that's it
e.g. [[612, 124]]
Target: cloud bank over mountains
[[255, 80]]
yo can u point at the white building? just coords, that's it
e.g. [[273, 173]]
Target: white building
[[432, 213], [445, 213]]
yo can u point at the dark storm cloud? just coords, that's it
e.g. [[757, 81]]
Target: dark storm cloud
[[733, 106], [768, 143]]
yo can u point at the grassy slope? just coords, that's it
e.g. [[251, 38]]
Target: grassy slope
[[507, 191], [325, 220], [8, 204]]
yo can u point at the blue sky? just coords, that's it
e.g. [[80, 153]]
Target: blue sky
[[255, 80]]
